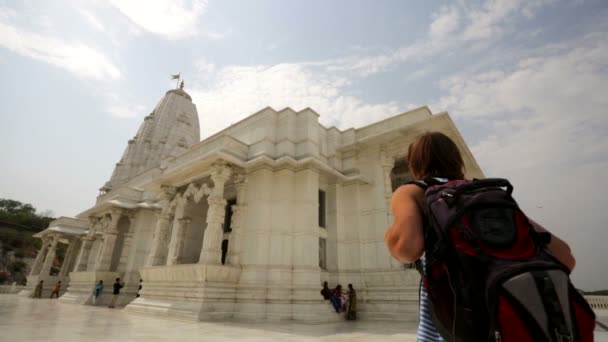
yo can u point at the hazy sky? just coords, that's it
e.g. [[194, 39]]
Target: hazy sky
[[525, 81]]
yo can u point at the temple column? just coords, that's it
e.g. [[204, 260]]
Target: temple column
[[175, 250], [74, 257], [40, 257], [50, 257], [177, 232], [67, 259], [387, 166], [158, 252], [87, 244], [109, 242], [85, 252], [211, 252], [238, 213]]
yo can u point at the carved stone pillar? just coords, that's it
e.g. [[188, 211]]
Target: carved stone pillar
[[211, 252], [67, 259], [109, 241], [50, 257], [40, 257], [158, 252], [387, 167], [85, 252], [82, 260], [238, 213], [177, 232], [177, 246]]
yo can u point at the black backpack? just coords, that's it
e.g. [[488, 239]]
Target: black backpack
[[489, 274]]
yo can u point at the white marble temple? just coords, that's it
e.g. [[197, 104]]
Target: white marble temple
[[247, 224]]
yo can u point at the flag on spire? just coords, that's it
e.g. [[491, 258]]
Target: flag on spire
[[176, 77]]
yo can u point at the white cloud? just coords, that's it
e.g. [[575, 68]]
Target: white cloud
[[215, 35], [171, 19], [92, 20], [489, 20], [445, 22], [122, 111], [118, 107], [238, 91], [544, 127], [452, 27], [79, 59], [205, 68]]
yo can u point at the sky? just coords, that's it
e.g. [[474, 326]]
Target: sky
[[524, 80]]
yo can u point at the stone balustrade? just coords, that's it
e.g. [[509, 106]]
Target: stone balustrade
[[598, 302]]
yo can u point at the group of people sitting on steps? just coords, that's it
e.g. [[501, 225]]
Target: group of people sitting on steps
[[342, 302]]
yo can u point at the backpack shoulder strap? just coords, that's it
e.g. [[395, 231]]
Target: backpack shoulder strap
[[427, 182]]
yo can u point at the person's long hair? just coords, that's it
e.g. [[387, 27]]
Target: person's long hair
[[434, 154]]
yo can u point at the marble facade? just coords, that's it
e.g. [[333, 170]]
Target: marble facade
[[247, 224]]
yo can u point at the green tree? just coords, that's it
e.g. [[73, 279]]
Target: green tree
[[24, 214]]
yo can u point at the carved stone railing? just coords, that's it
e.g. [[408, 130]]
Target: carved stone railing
[[598, 302], [122, 192]]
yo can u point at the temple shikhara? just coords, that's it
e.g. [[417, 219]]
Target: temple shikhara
[[246, 224]]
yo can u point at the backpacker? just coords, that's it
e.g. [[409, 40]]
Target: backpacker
[[489, 274]]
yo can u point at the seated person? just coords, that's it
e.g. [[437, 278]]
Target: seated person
[[336, 299], [326, 292]]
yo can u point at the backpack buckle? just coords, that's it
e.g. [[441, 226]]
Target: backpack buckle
[[562, 337]]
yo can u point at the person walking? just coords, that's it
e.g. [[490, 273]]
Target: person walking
[[116, 291], [38, 290], [56, 289]]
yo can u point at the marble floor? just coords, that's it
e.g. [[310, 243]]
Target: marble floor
[[26, 319]]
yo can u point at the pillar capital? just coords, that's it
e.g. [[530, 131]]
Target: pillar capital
[[185, 220], [216, 200], [54, 241], [220, 172], [168, 191], [116, 213], [130, 214]]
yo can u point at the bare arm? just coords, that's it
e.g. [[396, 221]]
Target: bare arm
[[558, 247], [405, 239]]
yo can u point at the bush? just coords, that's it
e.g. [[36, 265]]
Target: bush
[[17, 267], [19, 253], [4, 276]]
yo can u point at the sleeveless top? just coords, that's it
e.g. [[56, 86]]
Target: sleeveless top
[[426, 327]]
